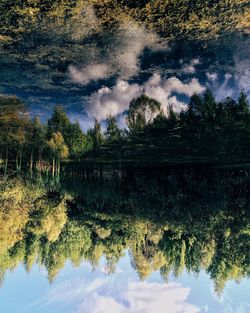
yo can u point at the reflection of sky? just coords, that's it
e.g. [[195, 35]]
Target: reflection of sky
[[101, 77], [80, 290]]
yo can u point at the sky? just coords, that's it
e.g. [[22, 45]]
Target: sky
[[81, 290]]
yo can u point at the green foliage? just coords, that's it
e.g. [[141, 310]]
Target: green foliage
[[23, 140], [158, 138], [153, 135], [113, 132], [168, 220], [95, 136], [142, 111], [57, 146]]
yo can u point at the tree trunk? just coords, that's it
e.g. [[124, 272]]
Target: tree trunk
[[20, 161], [31, 162], [17, 161], [6, 161], [53, 166]]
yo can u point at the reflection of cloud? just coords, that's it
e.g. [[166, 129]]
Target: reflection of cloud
[[190, 68], [84, 121], [116, 100], [121, 57], [212, 76], [91, 72], [243, 75], [175, 85], [133, 41], [112, 101], [142, 297], [229, 85], [222, 89]]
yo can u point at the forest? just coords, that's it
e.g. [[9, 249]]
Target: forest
[[169, 221], [208, 131]]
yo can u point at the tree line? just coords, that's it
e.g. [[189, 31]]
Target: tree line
[[26, 141], [198, 222]]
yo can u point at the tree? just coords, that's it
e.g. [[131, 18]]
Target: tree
[[76, 141], [71, 132], [195, 106], [95, 135], [243, 103], [142, 111], [13, 128], [59, 122], [58, 149], [36, 141], [113, 132]]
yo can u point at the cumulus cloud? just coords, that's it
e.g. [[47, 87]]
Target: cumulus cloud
[[92, 72], [142, 297], [116, 100]]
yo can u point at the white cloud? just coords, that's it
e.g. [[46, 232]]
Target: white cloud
[[116, 100], [69, 291], [94, 285], [142, 297], [92, 72]]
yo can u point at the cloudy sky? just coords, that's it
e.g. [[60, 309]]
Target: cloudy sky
[[80, 290]]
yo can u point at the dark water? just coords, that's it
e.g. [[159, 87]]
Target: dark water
[[126, 240]]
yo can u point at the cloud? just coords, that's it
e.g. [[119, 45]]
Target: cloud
[[92, 72], [69, 291], [142, 297], [116, 100]]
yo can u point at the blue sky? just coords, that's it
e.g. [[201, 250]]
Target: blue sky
[[80, 290]]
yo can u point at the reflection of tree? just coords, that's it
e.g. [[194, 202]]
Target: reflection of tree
[[171, 223]]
